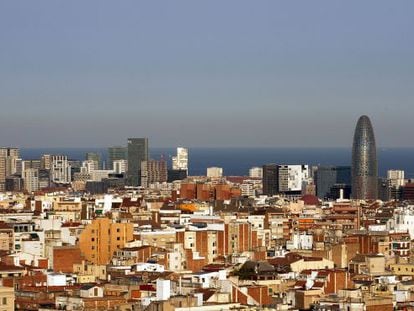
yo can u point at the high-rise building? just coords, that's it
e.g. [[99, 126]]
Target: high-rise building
[[31, 179], [270, 179], [293, 178], [214, 172], [180, 161], [9, 158], [46, 162], [30, 164], [256, 172], [326, 177], [95, 157], [14, 183], [60, 171], [396, 178], [137, 152], [116, 153], [120, 166], [19, 166], [394, 183], [284, 179], [88, 166], [44, 178], [153, 171], [364, 161]]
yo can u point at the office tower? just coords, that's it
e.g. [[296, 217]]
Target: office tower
[[270, 179], [180, 161], [395, 182], [153, 171], [256, 172], [284, 179], [327, 177], [8, 164], [364, 161], [120, 166], [137, 152], [46, 162], [116, 153], [395, 178], [31, 179], [60, 170], [95, 157], [292, 178]]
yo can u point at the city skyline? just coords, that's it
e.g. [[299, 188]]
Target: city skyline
[[176, 155], [278, 74]]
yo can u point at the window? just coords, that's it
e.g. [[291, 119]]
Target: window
[[93, 239], [118, 230], [95, 291], [93, 247], [4, 300], [118, 238]]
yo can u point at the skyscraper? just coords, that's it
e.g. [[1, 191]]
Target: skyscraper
[[327, 178], [270, 179], [116, 153], [8, 164], [364, 161], [284, 179], [137, 152], [95, 157], [180, 161], [31, 179]]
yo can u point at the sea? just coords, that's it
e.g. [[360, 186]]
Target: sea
[[238, 161]]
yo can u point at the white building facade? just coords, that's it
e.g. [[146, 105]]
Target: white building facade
[[180, 161]]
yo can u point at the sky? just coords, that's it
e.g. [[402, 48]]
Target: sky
[[211, 73]]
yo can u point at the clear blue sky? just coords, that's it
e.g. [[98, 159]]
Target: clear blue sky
[[205, 73]]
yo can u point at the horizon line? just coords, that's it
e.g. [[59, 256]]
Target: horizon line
[[208, 147]]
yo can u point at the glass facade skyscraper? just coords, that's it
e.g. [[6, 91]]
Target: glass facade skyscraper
[[364, 161], [116, 153], [328, 177], [137, 152]]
